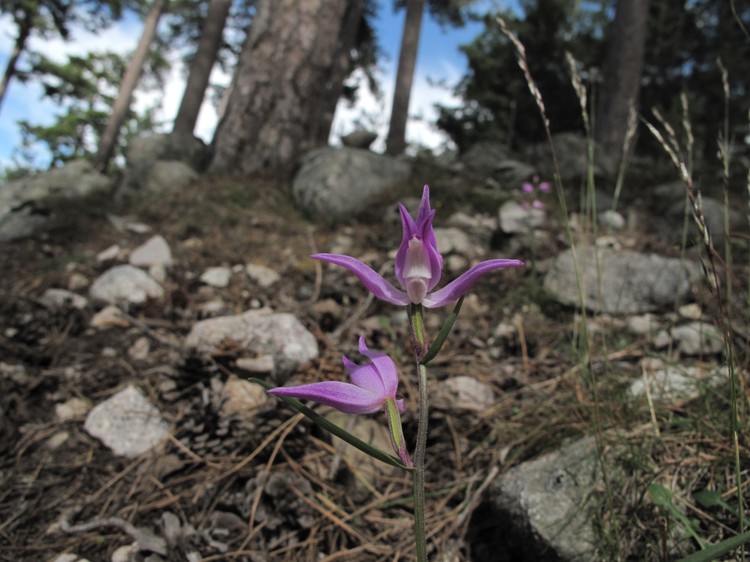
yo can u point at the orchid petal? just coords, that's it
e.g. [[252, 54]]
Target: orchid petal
[[410, 229], [348, 398], [385, 367], [545, 186], [453, 290], [526, 187], [374, 282], [424, 205]]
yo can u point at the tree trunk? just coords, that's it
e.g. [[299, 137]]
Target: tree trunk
[[279, 85], [623, 63], [407, 61], [349, 29], [200, 69], [133, 72], [24, 30]]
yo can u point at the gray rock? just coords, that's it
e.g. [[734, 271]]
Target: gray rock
[[671, 384], [26, 203], [256, 332], [60, 298], [262, 275], [455, 241], [162, 163], [671, 227], [21, 222], [514, 218], [481, 158], [127, 423], [154, 251], [572, 155], [359, 139], [125, 284], [144, 152], [464, 393], [697, 338], [611, 219], [168, 175], [620, 281], [510, 174], [540, 507], [333, 183], [217, 276]]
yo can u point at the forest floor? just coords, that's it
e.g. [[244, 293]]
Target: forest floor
[[273, 487]]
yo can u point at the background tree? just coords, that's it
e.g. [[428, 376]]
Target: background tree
[[42, 16], [496, 102], [133, 72], [445, 11], [279, 85], [357, 50], [47, 18], [621, 72], [84, 87], [203, 61]]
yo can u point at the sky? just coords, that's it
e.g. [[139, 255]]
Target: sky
[[439, 62]]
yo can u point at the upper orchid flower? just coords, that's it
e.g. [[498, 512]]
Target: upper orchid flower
[[419, 265], [374, 388]]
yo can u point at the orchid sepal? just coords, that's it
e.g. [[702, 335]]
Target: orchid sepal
[[338, 431], [461, 285]]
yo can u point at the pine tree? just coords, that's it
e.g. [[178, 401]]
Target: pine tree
[[280, 84]]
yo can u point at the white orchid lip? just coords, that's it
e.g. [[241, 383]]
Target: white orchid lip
[[417, 272]]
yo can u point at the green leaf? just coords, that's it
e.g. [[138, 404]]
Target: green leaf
[[714, 551], [336, 430], [712, 498], [443, 335], [660, 496]]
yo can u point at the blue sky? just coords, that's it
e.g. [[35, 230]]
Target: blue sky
[[439, 59]]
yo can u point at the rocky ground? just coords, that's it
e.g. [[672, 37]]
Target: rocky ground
[[207, 467]]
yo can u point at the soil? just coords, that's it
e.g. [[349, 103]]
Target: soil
[[267, 485]]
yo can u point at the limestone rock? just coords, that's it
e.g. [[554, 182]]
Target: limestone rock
[[359, 139], [217, 276], [514, 218], [697, 338], [153, 251], [620, 281], [540, 507], [60, 298], [256, 332], [25, 203], [127, 423], [125, 284], [333, 183]]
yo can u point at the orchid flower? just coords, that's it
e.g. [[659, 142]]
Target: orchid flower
[[373, 388], [419, 265], [529, 189]]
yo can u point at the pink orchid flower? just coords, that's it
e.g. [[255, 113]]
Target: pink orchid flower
[[419, 265]]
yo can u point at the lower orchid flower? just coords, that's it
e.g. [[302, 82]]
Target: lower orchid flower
[[419, 265], [373, 388]]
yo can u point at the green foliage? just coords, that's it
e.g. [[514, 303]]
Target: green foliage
[[684, 42], [497, 105], [85, 87]]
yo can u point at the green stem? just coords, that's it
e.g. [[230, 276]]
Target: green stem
[[419, 458], [416, 324]]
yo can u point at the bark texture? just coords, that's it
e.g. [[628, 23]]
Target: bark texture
[[623, 64], [200, 69], [407, 62], [342, 66], [280, 85], [133, 72]]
